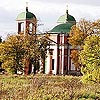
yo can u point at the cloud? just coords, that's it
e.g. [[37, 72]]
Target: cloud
[[7, 22], [78, 2], [86, 2], [47, 11]]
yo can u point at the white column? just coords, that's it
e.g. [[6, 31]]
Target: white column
[[47, 67], [55, 59]]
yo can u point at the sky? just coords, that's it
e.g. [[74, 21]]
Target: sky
[[46, 11]]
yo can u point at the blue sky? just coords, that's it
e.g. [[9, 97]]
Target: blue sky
[[47, 11]]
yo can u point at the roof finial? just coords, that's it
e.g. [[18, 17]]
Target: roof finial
[[67, 13], [26, 6]]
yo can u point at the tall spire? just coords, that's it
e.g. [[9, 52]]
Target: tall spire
[[26, 6], [67, 13]]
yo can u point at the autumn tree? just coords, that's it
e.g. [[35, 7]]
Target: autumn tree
[[75, 57], [12, 53], [44, 46], [78, 34], [90, 59], [19, 51], [35, 50], [31, 55]]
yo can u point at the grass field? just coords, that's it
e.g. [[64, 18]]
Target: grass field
[[44, 87]]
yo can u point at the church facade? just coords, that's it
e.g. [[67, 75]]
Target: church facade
[[58, 59]]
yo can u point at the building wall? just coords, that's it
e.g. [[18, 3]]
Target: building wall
[[52, 55], [60, 55]]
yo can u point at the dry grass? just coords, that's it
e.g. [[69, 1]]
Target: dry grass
[[44, 87]]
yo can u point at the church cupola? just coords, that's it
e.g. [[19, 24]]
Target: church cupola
[[26, 22], [66, 18], [66, 22]]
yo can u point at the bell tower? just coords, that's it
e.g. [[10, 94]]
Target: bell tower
[[26, 22]]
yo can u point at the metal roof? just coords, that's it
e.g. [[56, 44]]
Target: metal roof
[[64, 28], [25, 16]]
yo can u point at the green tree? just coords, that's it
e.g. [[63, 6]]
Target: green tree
[[90, 59]]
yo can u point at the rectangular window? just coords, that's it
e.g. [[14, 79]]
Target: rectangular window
[[52, 64]]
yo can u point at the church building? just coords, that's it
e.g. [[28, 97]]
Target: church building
[[58, 59]]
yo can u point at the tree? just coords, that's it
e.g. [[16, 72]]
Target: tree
[[31, 56], [0, 39], [21, 51], [78, 34], [12, 53], [75, 57], [44, 46], [0, 42], [90, 59], [35, 50]]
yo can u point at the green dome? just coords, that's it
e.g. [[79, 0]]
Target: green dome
[[64, 28], [62, 19], [25, 15]]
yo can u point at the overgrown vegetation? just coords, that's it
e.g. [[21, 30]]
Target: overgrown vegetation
[[90, 59], [85, 40], [43, 87]]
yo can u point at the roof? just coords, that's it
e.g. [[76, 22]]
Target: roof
[[64, 28], [62, 19], [25, 15]]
